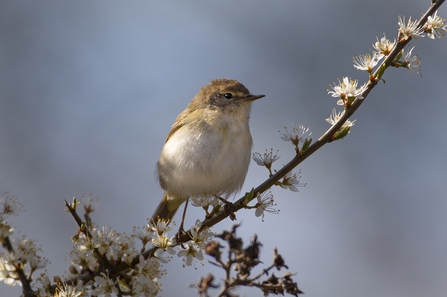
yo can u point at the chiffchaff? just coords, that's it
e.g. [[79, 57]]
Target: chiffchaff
[[208, 149]]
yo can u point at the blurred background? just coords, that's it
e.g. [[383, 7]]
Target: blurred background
[[89, 90]]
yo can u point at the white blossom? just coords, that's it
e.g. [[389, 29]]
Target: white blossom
[[435, 26], [104, 286], [384, 46], [297, 135], [290, 181], [9, 205], [334, 117], [347, 89], [366, 62], [265, 203], [409, 29]]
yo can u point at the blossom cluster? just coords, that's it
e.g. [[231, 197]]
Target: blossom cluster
[[22, 255], [104, 245], [348, 90], [96, 253], [157, 233]]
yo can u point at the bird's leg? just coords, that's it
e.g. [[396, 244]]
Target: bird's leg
[[228, 207], [181, 230]]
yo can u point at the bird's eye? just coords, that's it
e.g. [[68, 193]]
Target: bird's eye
[[228, 96]]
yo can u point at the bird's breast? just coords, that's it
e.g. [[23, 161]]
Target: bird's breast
[[206, 157]]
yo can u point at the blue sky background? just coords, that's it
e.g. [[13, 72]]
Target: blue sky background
[[89, 90]]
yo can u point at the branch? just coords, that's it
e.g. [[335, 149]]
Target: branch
[[327, 136], [26, 285]]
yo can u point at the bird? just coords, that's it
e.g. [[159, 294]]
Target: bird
[[208, 150]]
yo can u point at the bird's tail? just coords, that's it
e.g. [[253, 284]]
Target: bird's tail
[[167, 207]]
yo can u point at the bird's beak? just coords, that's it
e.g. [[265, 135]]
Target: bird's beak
[[251, 97]]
